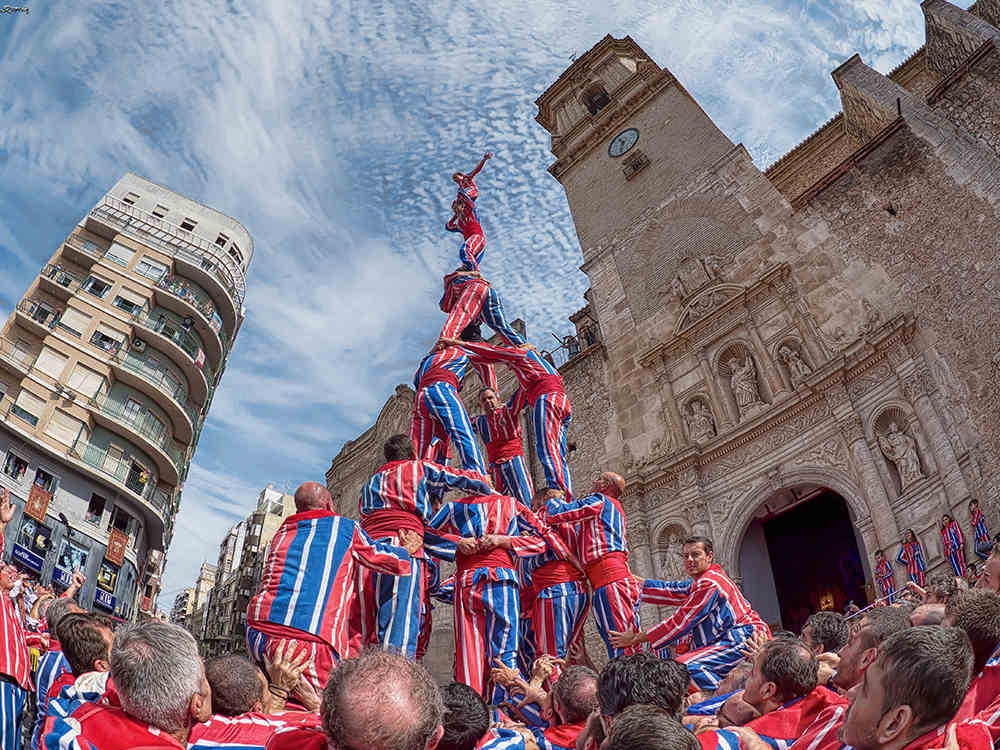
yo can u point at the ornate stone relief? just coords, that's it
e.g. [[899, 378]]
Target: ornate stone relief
[[670, 548], [901, 450], [796, 366], [831, 452], [700, 420], [868, 380], [742, 376]]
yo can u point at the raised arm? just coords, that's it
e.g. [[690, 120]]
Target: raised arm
[[901, 556], [479, 351], [699, 605], [579, 509], [529, 523], [444, 477], [481, 164], [487, 375], [380, 556], [516, 402], [666, 593]]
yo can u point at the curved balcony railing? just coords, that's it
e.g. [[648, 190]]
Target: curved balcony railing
[[200, 300], [175, 391], [123, 472], [144, 423], [188, 343]]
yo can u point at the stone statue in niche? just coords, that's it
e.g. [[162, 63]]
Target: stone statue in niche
[[901, 449], [797, 368], [743, 381], [677, 289], [671, 563], [700, 424], [713, 266]]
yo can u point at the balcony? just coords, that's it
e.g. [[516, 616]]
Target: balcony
[[184, 349], [140, 426], [18, 361], [184, 297], [82, 251], [194, 256], [37, 316], [571, 347], [59, 282], [132, 370], [124, 475]]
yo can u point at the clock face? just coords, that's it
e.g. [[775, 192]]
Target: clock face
[[622, 142]]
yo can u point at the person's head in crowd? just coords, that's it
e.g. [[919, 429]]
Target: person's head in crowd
[[825, 631], [8, 577], [905, 605], [645, 727], [160, 678], [489, 399], [86, 642], [927, 614], [736, 679], [610, 484], [977, 612], [399, 448], [312, 496], [862, 649], [783, 670], [909, 537], [990, 578], [237, 684], [382, 701], [914, 686], [699, 554], [879, 556], [642, 678], [543, 495], [466, 717], [940, 588], [574, 695], [57, 610]]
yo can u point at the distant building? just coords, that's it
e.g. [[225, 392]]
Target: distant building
[[183, 606]]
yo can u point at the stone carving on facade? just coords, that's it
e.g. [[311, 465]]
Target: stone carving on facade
[[713, 266], [671, 550], [901, 449], [700, 421], [677, 289], [853, 429], [869, 379], [704, 305], [871, 319], [743, 382], [830, 452], [798, 370]]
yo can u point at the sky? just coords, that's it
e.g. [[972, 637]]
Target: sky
[[330, 131]]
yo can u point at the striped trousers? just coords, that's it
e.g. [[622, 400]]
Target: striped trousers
[[472, 251], [558, 617], [511, 478], [322, 658], [957, 560], [479, 300], [616, 607], [885, 586], [551, 415], [918, 577], [708, 665], [392, 608], [487, 628], [438, 412], [12, 699]]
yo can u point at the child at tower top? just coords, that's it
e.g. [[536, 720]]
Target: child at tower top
[[465, 220]]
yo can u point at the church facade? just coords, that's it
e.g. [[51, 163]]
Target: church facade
[[808, 353]]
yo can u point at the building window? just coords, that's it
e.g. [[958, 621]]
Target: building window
[[221, 240], [103, 341], [15, 466], [127, 305], [188, 224], [151, 269], [235, 254], [160, 211], [119, 520], [120, 254], [96, 286], [74, 321], [131, 198], [595, 99], [45, 480], [95, 509], [28, 407]]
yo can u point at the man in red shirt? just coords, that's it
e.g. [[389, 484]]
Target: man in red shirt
[[15, 669]]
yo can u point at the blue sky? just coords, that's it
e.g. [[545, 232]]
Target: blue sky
[[330, 131]]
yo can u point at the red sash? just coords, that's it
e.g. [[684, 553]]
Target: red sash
[[554, 573], [609, 569], [495, 558], [498, 451], [545, 384], [564, 735], [438, 375], [383, 523]]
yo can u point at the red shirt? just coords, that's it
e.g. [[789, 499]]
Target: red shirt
[[14, 660]]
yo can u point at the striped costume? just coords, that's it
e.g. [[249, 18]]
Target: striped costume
[[912, 557], [500, 430], [15, 664], [439, 415], [556, 599], [886, 580], [983, 543], [822, 734], [715, 612], [398, 496], [541, 388], [953, 546], [310, 582], [51, 667], [486, 584], [468, 299], [558, 737], [435, 588], [599, 544], [466, 221]]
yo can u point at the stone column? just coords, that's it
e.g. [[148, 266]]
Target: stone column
[[675, 422], [726, 417], [769, 366]]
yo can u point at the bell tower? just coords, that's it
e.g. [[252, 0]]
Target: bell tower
[[626, 135]]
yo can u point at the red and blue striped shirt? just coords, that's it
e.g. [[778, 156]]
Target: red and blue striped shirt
[[14, 659], [979, 524], [601, 522], [952, 537], [452, 362]]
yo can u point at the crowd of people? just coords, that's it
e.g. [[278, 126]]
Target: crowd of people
[[344, 615]]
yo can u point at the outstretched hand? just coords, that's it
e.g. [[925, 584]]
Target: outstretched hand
[[753, 645], [412, 541], [286, 665], [626, 638], [6, 507]]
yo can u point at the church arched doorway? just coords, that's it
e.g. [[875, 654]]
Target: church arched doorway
[[801, 553]]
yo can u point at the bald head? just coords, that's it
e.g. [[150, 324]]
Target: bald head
[[928, 614], [312, 496], [610, 484]]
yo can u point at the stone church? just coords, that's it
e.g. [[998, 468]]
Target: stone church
[[801, 362]]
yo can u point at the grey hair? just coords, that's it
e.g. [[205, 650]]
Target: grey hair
[[156, 669], [57, 610]]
